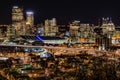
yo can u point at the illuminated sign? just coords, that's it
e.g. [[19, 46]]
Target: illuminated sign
[[15, 6], [29, 12]]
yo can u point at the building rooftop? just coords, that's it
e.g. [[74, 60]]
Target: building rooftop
[[38, 37]]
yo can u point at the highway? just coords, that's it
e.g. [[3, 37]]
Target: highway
[[46, 47]]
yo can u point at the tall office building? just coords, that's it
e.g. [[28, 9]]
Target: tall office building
[[81, 33], [10, 32], [107, 26], [30, 18], [104, 40], [53, 22], [51, 27], [46, 29], [17, 20], [74, 27], [17, 17]]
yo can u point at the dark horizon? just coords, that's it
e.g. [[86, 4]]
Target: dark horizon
[[63, 11]]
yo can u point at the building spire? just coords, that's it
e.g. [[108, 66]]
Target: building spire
[[110, 20]]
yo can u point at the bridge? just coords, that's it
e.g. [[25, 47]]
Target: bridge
[[51, 49]]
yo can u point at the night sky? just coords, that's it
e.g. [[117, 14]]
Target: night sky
[[87, 11]]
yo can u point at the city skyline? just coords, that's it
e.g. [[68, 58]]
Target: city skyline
[[63, 11]]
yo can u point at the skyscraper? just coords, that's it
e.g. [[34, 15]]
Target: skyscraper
[[30, 18], [53, 22], [17, 20], [51, 27], [17, 17]]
